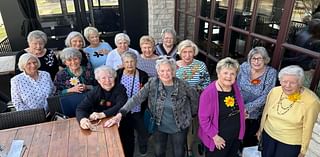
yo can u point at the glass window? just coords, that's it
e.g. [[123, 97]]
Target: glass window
[[47, 7], [267, 45], [242, 14], [192, 7], [105, 2], [190, 27], [268, 17], [237, 45], [3, 33], [182, 4], [205, 8], [221, 10], [180, 31]]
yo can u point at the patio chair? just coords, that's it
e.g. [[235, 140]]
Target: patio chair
[[22, 118]]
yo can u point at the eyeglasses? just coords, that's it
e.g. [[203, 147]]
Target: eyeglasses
[[259, 59]]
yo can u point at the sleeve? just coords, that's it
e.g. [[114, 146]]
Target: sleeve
[[269, 83], [265, 110], [310, 117], [193, 95], [84, 109], [109, 60], [205, 114], [16, 95], [204, 77], [141, 96], [120, 99]]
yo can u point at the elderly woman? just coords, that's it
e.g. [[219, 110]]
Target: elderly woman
[[288, 116], [172, 103], [220, 105], [31, 88], [134, 79], [97, 51], [147, 59], [74, 78], [122, 42], [167, 47], [76, 40], [36, 41], [105, 100], [255, 81]]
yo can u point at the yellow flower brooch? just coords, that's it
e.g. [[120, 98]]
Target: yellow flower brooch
[[294, 97], [74, 81], [229, 101]]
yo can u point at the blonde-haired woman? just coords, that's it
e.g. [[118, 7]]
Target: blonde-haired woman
[[147, 58], [220, 105]]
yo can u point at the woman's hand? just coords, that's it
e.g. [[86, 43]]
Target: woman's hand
[[85, 123], [258, 134], [219, 142], [301, 155], [79, 88], [97, 115], [114, 120]]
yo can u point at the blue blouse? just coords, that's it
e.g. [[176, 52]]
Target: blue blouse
[[254, 95]]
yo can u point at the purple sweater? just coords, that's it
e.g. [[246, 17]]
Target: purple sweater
[[208, 115]]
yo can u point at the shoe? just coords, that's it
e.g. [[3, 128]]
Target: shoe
[[190, 153], [143, 150], [200, 149]]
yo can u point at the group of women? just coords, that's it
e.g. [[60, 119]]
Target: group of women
[[239, 108]]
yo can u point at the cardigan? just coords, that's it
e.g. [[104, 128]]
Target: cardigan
[[208, 114]]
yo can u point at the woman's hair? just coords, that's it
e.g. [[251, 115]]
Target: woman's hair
[[70, 52], [167, 60], [146, 39], [72, 35], [169, 30], [129, 54], [259, 50], [106, 69], [23, 60], [88, 31], [121, 36], [188, 43], [227, 63], [36, 34], [292, 70]]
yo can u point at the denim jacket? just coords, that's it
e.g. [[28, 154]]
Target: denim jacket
[[184, 99]]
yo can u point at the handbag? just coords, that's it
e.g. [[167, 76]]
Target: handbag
[[148, 117]]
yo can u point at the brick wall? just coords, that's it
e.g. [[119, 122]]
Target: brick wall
[[314, 145]]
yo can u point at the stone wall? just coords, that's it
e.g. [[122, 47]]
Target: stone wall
[[314, 145]]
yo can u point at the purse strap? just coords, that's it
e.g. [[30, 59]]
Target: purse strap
[[132, 86]]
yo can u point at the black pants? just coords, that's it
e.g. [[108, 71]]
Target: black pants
[[138, 125], [230, 150], [250, 138], [127, 136], [275, 148]]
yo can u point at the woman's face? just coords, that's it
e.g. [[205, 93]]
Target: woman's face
[[168, 39], [187, 55], [73, 63], [36, 46], [76, 42], [106, 80], [165, 73], [257, 62], [147, 49], [31, 67], [290, 84], [94, 39], [122, 46], [129, 64], [227, 76]]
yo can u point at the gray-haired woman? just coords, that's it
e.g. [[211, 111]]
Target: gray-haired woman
[[288, 116], [172, 102], [37, 41], [31, 88], [74, 78], [167, 47]]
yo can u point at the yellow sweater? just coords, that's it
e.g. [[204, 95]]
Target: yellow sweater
[[291, 125]]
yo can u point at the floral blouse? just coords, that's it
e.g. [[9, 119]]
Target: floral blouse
[[65, 79]]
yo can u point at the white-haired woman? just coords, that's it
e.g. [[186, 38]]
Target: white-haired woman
[[36, 42], [172, 103], [31, 88], [167, 47], [97, 51], [74, 78], [76, 40], [105, 100], [221, 112], [122, 41], [255, 81], [288, 116]]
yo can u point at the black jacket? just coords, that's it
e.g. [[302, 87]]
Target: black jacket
[[99, 100]]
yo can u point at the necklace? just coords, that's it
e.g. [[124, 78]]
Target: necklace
[[220, 86], [281, 109]]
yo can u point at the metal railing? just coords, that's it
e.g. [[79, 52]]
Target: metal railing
[[5, 46]]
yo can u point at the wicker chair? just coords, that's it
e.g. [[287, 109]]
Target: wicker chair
[[54, 104], [21, 118]]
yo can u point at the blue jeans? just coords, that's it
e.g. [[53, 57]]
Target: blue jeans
[[178, 142]]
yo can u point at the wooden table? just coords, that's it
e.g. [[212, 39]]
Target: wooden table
[[64, 138]]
